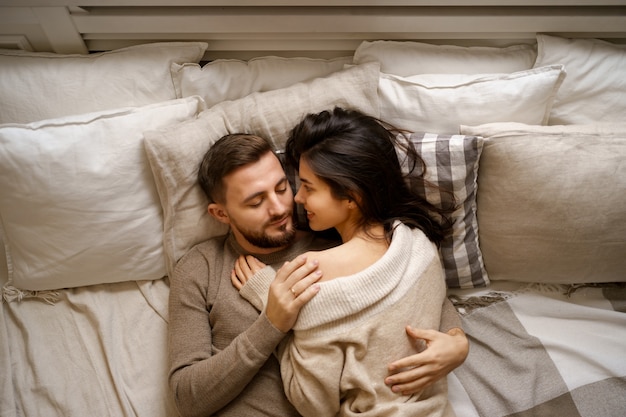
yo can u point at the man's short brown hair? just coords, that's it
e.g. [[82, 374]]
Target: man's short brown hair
[[228, 154]]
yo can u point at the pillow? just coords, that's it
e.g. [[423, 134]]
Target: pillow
[[552, 206], [39, 85], [230, 79], [595, 87], [452, 164], [442, 103], [175, 152], [78, 203], [406, 58]]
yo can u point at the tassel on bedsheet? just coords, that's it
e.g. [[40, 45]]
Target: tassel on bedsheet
[[468, 304], [465, 305], [10, 293]]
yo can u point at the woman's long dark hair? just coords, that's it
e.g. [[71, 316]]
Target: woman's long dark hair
[[357, 156]]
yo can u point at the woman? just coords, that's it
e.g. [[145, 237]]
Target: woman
[[386, 271]]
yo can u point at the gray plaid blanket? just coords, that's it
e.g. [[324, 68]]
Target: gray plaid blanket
[[543, 351]]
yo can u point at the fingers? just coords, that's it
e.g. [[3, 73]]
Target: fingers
[[420, 338], [242, 271], [245, 267], [289, 267], [410, 381], [425, 334], [299, 271], [444, 353], [235, 280], [300, 287], [254, 264], [295, 285], [301, 298], [296, 277]]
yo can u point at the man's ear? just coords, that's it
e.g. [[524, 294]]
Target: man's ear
[[217, 211]]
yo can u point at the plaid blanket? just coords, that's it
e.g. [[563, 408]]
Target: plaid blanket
[[543, 351]]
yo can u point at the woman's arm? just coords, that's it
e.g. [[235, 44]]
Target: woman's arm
[[274, 293]]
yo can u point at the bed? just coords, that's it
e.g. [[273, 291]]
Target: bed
[[105, 107]]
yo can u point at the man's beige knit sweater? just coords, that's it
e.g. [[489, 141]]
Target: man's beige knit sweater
[[335, 361]]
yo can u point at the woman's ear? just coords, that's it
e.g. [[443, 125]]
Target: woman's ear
[[218, 212], [354, 201]]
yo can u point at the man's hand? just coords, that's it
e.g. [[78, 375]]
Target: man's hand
[[295, 284], [245, 267], [444, 352]]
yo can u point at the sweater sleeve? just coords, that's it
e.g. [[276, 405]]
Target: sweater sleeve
[[311, 375], [256, 289], [450, 318], [203, 380]]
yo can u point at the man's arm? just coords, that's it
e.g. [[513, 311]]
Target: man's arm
[[202, 381], [446, 350]]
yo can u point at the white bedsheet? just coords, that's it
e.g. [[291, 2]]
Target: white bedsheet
[[101, 351]]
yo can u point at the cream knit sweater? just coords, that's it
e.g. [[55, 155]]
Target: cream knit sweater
[[336, 360]]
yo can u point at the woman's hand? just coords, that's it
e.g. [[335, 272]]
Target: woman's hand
[[245, 268], [295, 284], [444, 352]]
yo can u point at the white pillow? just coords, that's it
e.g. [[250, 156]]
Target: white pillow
[[230, 79], [595, 87], [406, 58], [78, 203], [440, 103], [551, 204], [39, 85], [175, 152]]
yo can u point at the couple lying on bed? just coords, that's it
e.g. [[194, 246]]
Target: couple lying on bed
[[354, 345]]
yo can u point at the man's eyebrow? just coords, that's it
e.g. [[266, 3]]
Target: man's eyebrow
[[260, 193]]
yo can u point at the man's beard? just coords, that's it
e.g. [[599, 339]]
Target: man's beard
[[262, 240]]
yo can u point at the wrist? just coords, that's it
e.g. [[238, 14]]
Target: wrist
[[456, 331], [462, 343]]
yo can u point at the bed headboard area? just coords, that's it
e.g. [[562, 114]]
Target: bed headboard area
[[323, 28]]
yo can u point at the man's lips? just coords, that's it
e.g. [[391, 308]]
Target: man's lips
[[282, 221]]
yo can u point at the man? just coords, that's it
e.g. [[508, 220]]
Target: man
[[221, 348]]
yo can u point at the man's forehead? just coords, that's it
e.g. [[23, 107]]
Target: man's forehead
[[254, 178]]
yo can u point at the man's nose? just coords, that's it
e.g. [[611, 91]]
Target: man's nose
[[277, 205]]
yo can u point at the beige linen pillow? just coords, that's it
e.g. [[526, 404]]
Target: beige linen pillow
[[230, 79], [175, 152], [595, 87], [78, 204], [551, 203], [39, 85], [407, 58], [440, 103]]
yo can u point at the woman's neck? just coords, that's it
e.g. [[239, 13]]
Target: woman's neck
[[374, 232]]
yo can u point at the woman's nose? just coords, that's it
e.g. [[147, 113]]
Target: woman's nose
[[298, 197]]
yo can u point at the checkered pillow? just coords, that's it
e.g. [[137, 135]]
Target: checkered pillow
[[452, 164]]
